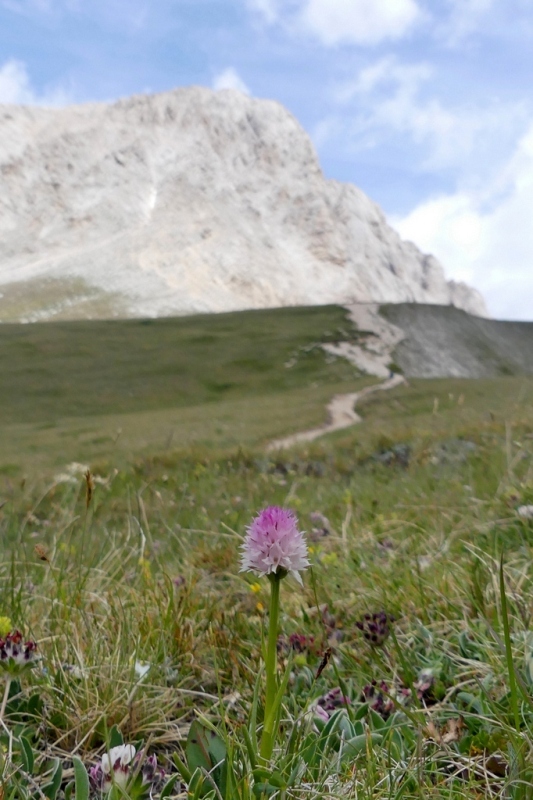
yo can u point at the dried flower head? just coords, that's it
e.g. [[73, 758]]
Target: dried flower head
[[375, 627], [274, 545], [378, 699], [330, 702], [16, 655]]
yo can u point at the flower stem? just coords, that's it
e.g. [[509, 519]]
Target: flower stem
[[6, 695], [267, 740]]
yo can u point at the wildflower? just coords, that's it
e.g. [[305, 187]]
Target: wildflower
[[79, 673], [16, 655], [525, 512], [375, 627], [321, 526], [330, 702], [298, 643], [274, 545], [121, 765], [141, 669], [376, 695]]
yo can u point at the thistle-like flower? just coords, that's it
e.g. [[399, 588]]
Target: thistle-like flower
[[16, 655], [274, 544]]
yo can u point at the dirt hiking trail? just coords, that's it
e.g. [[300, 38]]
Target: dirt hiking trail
[[341, 414]]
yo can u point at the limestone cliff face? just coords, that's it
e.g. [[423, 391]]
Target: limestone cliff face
[[189, 201]]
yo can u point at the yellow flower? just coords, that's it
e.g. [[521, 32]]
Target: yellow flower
[[145, 569], [5, 626], [255, 587], [260, 608]]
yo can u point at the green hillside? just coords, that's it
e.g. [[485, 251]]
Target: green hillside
[[92, 391], [80, 391], [61, 369]]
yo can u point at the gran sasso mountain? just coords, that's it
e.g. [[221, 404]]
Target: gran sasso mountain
[[189, 201]]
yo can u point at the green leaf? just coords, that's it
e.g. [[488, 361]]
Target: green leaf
[[353, 747], [261, 789], [217, 747], [51, 789], [508, 650], [197, 748], [26, 751], [81, 779], [182, 768], [252, 754], [361, 712], [167, 788], [276, 779], [115, 737], [378, 723], [199, 786]]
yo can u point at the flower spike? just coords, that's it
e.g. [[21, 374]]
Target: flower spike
[[274, 544]]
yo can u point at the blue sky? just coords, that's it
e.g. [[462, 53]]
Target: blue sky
[[427, 105]]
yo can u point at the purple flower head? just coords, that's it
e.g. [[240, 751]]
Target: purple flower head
[[274, 544], [16, 655]]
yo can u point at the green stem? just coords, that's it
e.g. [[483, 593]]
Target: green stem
[[513, 691], [267, 740], [6, 695]]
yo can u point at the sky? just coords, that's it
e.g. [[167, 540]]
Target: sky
[[426, 105]]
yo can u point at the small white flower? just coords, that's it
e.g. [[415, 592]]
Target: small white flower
[[116, 762], [141, 669], [526, 512]]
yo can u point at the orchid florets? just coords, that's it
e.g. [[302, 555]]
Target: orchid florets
[[274, 544]]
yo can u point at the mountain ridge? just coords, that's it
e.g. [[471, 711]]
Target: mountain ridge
[[184, 202]]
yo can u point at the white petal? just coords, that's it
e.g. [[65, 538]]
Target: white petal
[[297, 576]]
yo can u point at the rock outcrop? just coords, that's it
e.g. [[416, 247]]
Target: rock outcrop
[[189, 201]]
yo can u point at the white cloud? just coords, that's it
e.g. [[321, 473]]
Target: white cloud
[[15, 83], [268, 9], [230, 79], [464, 19], [486, 240], [390, 97], [358, 21], [15, 87], [334, 22]]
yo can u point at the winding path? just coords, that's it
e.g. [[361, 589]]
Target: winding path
[[341, 414]]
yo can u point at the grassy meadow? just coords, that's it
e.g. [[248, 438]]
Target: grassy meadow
[[129, 580], [114, 389]]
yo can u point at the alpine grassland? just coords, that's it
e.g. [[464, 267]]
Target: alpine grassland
[[138, 659]]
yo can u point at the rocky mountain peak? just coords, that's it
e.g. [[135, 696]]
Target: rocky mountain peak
[[189, 201]]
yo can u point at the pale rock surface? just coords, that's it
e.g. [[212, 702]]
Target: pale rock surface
[[189, 201], [373, 353]]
